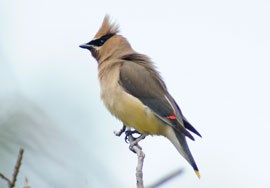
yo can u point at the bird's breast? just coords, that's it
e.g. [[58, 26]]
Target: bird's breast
[[130, 110]]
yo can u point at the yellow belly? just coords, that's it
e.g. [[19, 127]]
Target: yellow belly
[[139, 117], [133, 113]]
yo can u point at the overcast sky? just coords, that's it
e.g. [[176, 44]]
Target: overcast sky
[[213, 55]]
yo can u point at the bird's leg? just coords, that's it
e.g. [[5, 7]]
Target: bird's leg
[[120, 132]]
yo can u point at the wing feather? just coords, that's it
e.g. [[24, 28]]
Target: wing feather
[[140, 79]]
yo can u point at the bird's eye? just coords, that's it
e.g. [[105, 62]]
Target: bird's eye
[[101, 41]]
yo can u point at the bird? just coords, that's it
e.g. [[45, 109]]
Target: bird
[[133, 90]]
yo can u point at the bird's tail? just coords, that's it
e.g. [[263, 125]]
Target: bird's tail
[[179, 141]]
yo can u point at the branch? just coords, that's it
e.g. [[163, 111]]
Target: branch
[[138, 150], [11, 183], [166, 178], [5, 178], [17, 168], [26, 184], [134, 147]]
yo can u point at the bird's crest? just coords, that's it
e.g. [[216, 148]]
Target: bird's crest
[[107, 27]]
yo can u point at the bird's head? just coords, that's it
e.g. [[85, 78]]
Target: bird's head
[[106, 42]]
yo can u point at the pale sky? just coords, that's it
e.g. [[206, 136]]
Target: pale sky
[[214, 57]]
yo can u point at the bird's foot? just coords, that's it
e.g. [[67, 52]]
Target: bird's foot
[[137, 140], [131, 133], [121, 131], [133, 141]]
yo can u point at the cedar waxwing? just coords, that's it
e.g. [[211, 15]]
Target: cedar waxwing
[[134, 91]]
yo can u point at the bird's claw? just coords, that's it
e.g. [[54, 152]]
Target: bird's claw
[[130, 133], [133, 141]]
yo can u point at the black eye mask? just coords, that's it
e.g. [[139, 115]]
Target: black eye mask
[[99, 42]]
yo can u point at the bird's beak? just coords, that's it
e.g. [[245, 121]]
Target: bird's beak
[[86, 46]]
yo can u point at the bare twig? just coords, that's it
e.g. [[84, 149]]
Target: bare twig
[[166, 179], [26, 184], [134, 147], [137, 149], [5, 178], [17, 168], [11, 183]]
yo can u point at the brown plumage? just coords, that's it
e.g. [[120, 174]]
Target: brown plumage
[[134, 91], [107, 28]]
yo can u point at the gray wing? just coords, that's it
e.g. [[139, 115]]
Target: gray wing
[[147, 86]]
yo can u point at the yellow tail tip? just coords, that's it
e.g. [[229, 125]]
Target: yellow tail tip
[[198, 173]]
